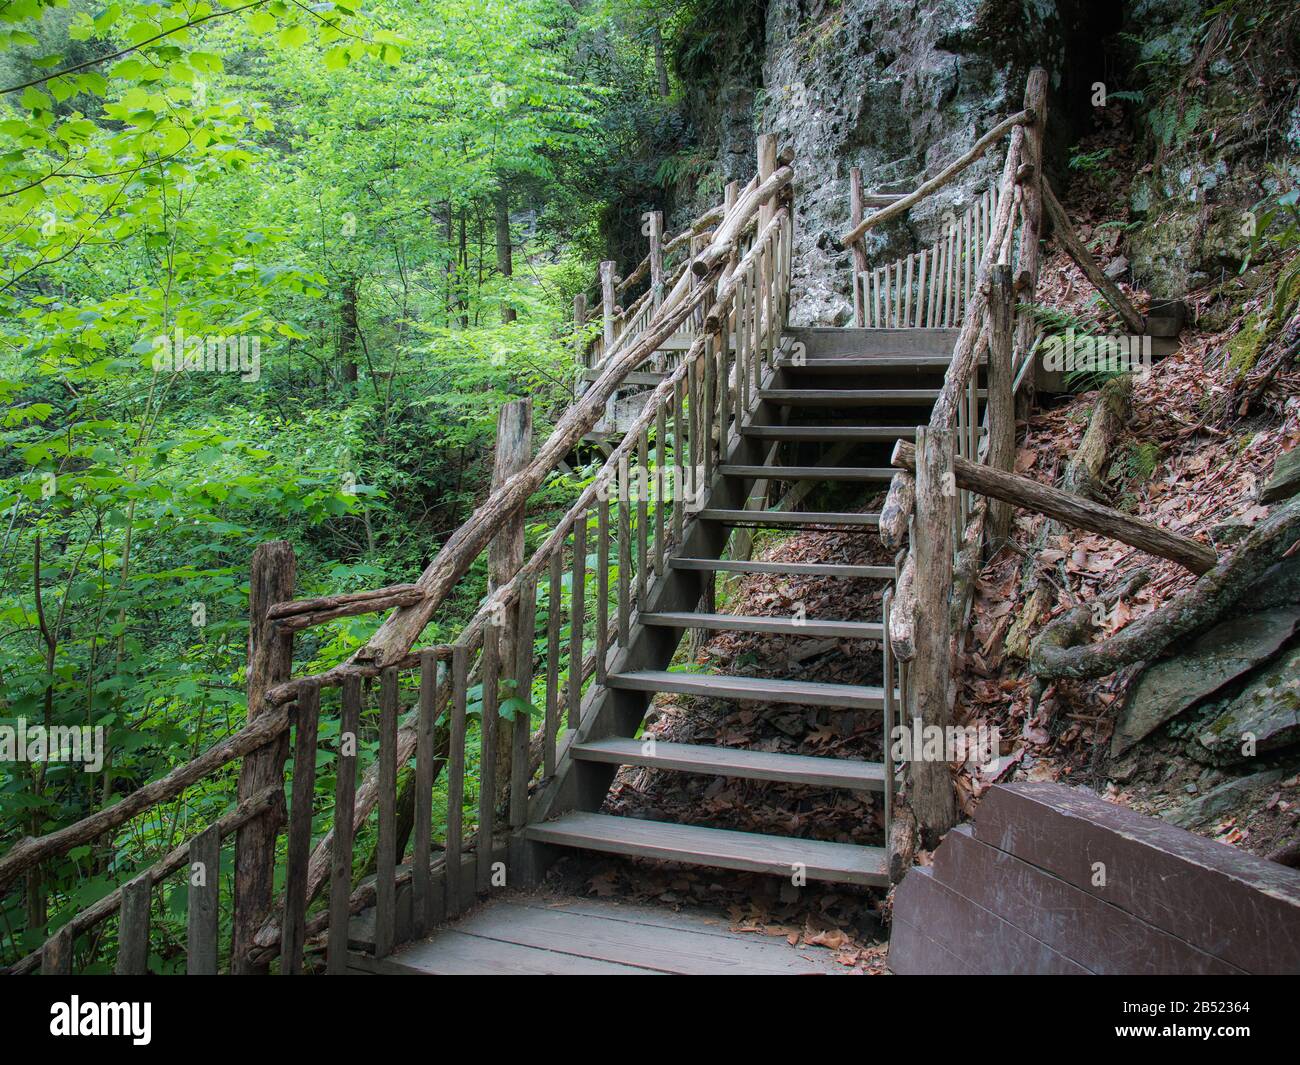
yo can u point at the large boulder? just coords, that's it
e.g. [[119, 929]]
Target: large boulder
[[1264, 716], [1213, 660]]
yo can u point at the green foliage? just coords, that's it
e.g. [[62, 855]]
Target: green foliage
[[248, 291]]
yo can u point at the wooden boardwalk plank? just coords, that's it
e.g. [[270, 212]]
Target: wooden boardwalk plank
[[668, 950], [790, 626], [453, 953]]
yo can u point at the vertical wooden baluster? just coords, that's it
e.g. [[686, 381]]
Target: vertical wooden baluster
[[742, 341], [859, 255], [491, 673], [386, 853], [133, 927], [724, 400], [525, 632], [422, 901], [577, 616], [624, 552], [456, 777], [56, 954], [887, 713], [680, 484], [907, 295], [921, 320], [931, 297], [602, 585], [706, 414], [642, 513], [898, 296], [554, 611], [661, 489], [293, 929], [345, 791], [204, 903], [691, 417], [755, 342]]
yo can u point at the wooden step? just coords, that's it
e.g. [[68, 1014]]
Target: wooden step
[[752, 689], [733, 762], [849, 630], [851, 397], [843, 863], [774, 519], [868, 363], [811, 473], [792, 569], [830, 341], [829, 433]]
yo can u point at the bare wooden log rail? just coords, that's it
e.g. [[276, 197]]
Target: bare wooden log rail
[[1064, 232], [1072, 510], [937, 182]]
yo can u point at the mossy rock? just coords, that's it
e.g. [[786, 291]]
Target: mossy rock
[[1243, 349]]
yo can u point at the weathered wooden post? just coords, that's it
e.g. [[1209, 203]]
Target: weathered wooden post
[[580, 348], [930, 786], [506, 556], [1031, 212], [859, 253], [607, 303], [655, 229], [1001, 401], [270, 661]]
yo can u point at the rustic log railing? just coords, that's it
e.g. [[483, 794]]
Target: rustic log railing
[[441, 711], [950, 501]]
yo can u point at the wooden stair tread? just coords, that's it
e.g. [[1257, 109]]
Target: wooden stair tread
[[830, 432], [845, 397], [855, 630], [805, 569], [735, 762], [783, 518], [752, 689], [893, 361], [811, 473], [720, 848]]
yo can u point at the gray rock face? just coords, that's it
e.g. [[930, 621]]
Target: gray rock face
[[900, 90], [1227, 651], [1220, 800], [1285, 481], [1265, 716]]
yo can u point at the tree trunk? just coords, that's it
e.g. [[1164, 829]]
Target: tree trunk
[[505, 260], [349, 332], [661, 66]]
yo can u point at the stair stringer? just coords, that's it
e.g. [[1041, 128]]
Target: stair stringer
[[608, 713]]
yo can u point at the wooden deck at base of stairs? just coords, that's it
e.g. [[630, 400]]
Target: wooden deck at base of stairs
[[550, 935]]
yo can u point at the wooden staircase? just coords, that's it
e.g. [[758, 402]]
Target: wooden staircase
[[858, 390]]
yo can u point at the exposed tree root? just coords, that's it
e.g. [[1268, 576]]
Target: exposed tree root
[[1059, 650]]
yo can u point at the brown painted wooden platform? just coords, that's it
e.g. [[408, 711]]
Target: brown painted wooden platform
[[1055, 880], [546, 935]]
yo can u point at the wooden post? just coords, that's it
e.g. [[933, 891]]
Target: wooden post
[[506, 552], [1031, 207], [580, 348], [859, 253], [655, 227], [204, 892], [607, 302], [270, 660], [1001, 401], [930, 786], [766, 168], [293, 929], [345, 792]]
